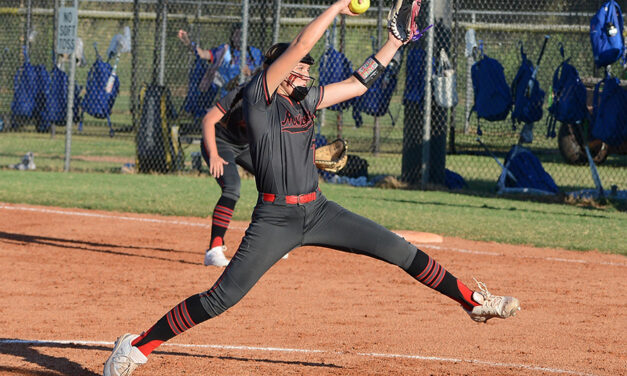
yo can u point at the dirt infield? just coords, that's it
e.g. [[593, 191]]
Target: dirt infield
[[73, 280]]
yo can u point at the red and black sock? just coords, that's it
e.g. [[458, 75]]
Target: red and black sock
[[430, 273], [184, 316], [221, 219]]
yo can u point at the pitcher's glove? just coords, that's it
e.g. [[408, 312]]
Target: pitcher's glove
[[332, 157], [402, 19]]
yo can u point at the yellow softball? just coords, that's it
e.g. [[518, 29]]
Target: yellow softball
[[358, 8]]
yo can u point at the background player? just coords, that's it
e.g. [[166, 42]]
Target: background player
[[279, 108], [224, 146]]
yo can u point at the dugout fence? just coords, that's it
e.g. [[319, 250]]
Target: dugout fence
[[402, 131]]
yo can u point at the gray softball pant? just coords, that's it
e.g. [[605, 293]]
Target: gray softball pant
[[277, 228], [230, 182]]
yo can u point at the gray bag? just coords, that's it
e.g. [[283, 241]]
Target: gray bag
[[445, 83]]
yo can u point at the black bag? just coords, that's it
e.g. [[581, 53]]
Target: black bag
[[157, 143], [355, 167]]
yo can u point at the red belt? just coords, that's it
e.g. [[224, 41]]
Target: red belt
[[291, 199]]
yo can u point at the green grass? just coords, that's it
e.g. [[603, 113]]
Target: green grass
[[94, 151], [471, 217]]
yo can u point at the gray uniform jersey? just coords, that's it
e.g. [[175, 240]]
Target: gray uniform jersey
[[280, 132]]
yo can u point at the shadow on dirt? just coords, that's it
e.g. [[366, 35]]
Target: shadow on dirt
[[92, 247], [28, 351], [56, 365]]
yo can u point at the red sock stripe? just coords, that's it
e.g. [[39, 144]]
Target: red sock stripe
[[224, 209], [433, 275], [221, 217], [220, 223], [439, 279], [179, 318], [427, 269], [220, 214], [175, 329], [186, 315]]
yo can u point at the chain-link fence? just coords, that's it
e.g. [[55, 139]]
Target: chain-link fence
[[171, 64]]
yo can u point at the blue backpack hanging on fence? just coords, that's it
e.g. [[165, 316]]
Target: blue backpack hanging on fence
[[493, 99], [606, 34], [527, 104], [97, 101], [569, 97], [610, 116], [335, 67], [415, 76], [376, 100], [30, 84], [56, 101]]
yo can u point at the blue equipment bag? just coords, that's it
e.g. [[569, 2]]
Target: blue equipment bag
[[528, 171], [97, 102], [376, 100], [606, 34], [493, 99], [56, 101], [527, 105], [335, 67], [453, 180], [31, 84], [415, 76], [569, 97], [610, 116]]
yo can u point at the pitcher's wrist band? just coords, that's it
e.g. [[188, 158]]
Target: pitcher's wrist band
[[369, 71]]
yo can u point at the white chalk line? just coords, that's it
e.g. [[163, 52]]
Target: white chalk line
[[313, 351], [208, 225]]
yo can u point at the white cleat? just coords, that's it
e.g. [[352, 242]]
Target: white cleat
[[284, 257], [124, 358], [215, 256], [492, 306]]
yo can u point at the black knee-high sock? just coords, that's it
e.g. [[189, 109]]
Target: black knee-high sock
[[430, 273], [184, 316], [222, 214]]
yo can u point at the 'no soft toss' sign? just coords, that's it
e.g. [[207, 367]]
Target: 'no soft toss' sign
[[66, 32]]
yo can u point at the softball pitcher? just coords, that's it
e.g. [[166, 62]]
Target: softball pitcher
[[279, 107]]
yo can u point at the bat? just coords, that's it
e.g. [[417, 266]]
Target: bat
[[535, 69], [508, 172]]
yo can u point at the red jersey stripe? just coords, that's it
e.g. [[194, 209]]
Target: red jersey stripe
[[221, 108]]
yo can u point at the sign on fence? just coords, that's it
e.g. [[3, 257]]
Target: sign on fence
[[66, 32]]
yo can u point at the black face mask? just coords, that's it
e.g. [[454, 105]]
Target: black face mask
[[299, 93]]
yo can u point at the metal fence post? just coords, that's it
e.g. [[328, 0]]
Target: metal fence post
[[244, 41], [469, 90], [27, 26], [134, 65], [426, 136], [164, 27], [277, 21], [70, 104]]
